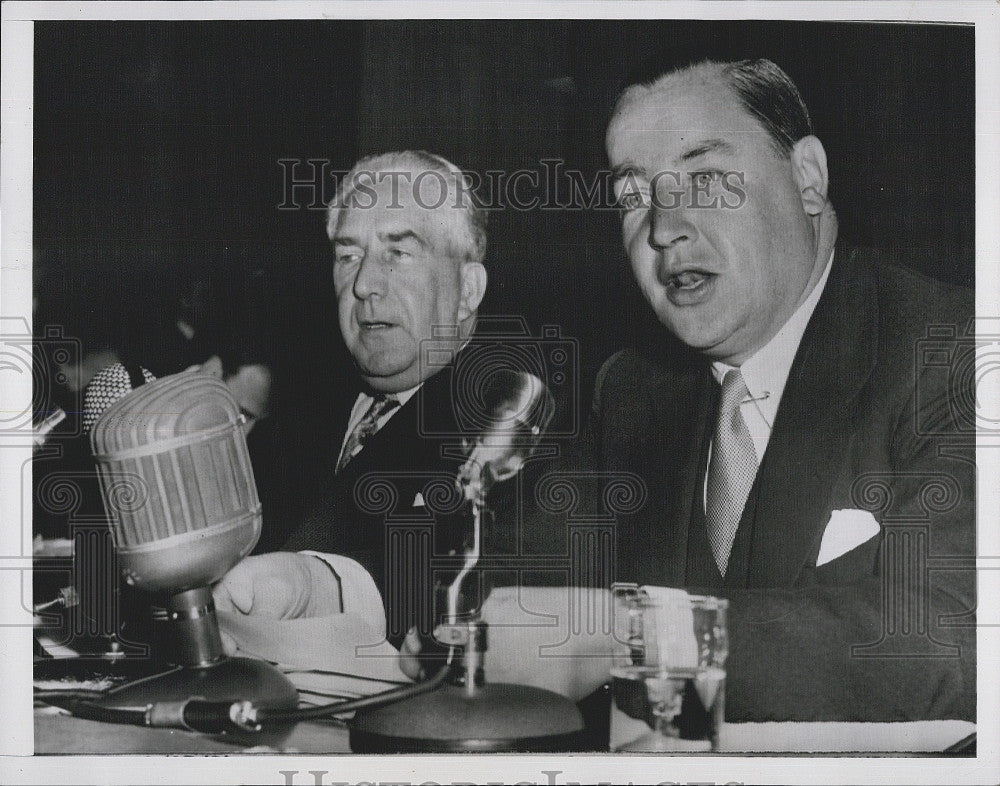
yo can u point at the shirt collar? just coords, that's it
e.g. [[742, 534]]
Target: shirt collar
[[766, 371], [405, 395], [402, 396]]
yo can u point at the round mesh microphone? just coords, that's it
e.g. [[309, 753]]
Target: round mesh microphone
[[108, 385], [177, 482]]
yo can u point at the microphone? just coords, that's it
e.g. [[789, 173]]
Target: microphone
[[41, 431], [180, 495], [108, 385], [519, 407], [466, 713]]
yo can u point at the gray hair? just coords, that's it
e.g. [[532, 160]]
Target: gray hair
[[470, 240]]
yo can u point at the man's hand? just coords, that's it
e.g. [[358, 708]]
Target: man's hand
[[531, 643], [281, 585], [409, 656]]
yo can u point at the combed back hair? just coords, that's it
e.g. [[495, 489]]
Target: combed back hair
[[769, 94], [469, 242], [762, 88]]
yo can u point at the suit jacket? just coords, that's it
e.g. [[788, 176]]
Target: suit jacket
[[395, 509], [876, 416]]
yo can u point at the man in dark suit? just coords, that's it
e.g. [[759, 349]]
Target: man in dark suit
[[395, 508], [408, 244], [801, 451]]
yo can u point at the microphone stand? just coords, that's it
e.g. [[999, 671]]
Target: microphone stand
[[467, 713], [199, 668]]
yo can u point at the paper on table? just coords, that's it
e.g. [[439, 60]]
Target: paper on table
[[834, 737], [817, 737], [334, 655]]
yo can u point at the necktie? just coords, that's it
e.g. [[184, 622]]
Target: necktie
[[367, 426], [732, 470]]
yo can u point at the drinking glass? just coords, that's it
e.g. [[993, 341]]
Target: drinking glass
[[670, 672]]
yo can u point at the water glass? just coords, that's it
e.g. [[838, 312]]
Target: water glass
[[669, 673]]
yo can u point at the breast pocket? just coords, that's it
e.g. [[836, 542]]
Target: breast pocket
[[859, 563]]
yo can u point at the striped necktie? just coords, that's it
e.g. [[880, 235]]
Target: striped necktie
[[367, 426], [731, 472]]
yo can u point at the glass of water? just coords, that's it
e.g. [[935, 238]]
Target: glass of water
[[670, 670]]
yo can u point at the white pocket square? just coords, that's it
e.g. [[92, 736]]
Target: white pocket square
[[845, 530], [418, 501]]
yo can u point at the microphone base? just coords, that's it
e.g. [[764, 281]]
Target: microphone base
[[227, 679], [492, 718]]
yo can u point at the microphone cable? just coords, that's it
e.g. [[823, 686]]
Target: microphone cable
[[227, 716]]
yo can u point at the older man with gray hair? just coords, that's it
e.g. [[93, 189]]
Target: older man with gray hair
[[408, 245]]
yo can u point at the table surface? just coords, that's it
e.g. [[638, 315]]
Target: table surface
[[311, 642], [61, 734]]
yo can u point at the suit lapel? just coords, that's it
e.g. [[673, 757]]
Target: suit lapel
[[680, 405], [810, 433], [412, 437], [340, 418]]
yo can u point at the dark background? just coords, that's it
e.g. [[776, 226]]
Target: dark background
[[157, 148]]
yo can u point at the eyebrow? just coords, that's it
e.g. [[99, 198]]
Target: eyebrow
[[624, 170], [392, 237], [708, 146], [399, 237]]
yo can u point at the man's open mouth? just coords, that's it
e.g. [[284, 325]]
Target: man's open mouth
[[374, 324], [688, 279]]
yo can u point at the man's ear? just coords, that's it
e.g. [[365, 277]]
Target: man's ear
[[473, 288], [810, 174], [212, 367]]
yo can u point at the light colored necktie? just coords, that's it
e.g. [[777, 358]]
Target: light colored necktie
[[367, 426], [731, 472]]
